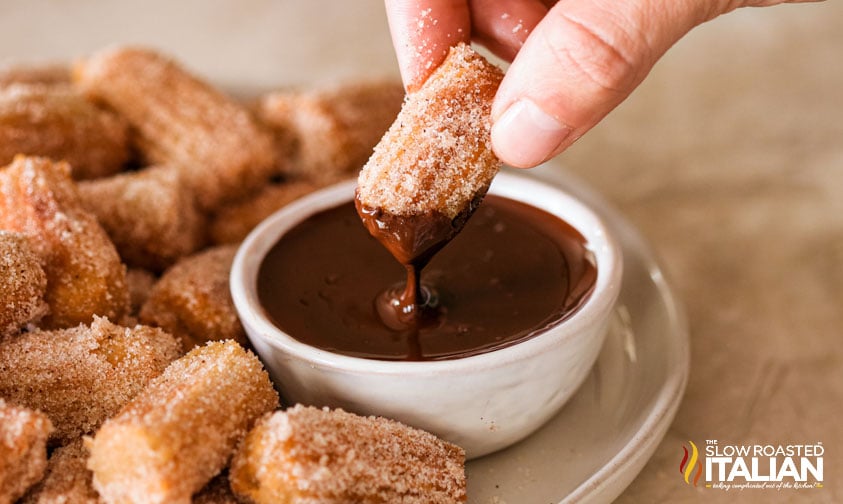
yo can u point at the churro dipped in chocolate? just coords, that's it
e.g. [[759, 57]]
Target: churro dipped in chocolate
[[23, 449], [85, 276], [306, 454], [432, 168], [180, 432]]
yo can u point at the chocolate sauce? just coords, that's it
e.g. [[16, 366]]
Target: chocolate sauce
[[412, 240], [513, 271]]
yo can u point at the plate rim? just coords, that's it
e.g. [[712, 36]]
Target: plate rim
[[614, 476]]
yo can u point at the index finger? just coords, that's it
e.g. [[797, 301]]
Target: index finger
[[423, 31]]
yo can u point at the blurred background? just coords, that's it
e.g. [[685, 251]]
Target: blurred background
[[728, 159], [245, 44]]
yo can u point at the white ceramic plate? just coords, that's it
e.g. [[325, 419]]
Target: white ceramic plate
[[602, 438]]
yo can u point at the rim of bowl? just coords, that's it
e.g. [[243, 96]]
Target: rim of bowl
[[249, 257]]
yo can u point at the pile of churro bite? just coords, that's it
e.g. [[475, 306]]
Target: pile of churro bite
[[125, 374]]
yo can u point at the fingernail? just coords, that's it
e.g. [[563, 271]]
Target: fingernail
[[525, 135]]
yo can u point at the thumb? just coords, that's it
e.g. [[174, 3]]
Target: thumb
[[579, 63]]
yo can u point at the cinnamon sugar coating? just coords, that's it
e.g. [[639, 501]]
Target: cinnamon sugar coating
[[150, 215], [81, 376], [192, 300], [23, 449], [67, 480], [85, 276], [180, 432], [437, 155], [182, 121], [59, 123], [173, 437], [329, 133], [306, 454], [45, 74], [22, 284], [233, 222]]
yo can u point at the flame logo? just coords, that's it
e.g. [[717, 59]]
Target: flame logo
[[686, 467]]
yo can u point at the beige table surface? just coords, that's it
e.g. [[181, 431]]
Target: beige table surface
[[728, 159]]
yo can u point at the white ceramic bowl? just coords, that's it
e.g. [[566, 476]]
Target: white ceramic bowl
[[482, 403]]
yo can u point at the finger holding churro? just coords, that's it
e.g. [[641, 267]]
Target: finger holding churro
[[85, 276], [306, 454], [331, 131], [23, 284], [149, 214], [192, 301], [23, 449], [181, 430], [59, 123], [435, 163], [182, 121], [81, 376]]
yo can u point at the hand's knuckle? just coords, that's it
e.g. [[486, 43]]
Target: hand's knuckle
[[596, 57]]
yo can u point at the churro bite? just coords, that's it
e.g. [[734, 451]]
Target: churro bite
[[329, 133], [22, 284], [233, 222], [59, 123], [306, 454], [181, 121], [149, 214], [67, 480], [85, 276], [23, 449], [192, 300], [180, 432], [81, 376], [45, 74], [435, 163]]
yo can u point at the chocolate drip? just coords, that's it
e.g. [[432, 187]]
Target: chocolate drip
[[512, 272], [412, 240]]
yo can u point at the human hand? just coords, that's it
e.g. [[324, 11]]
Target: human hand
[[573, 61]]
